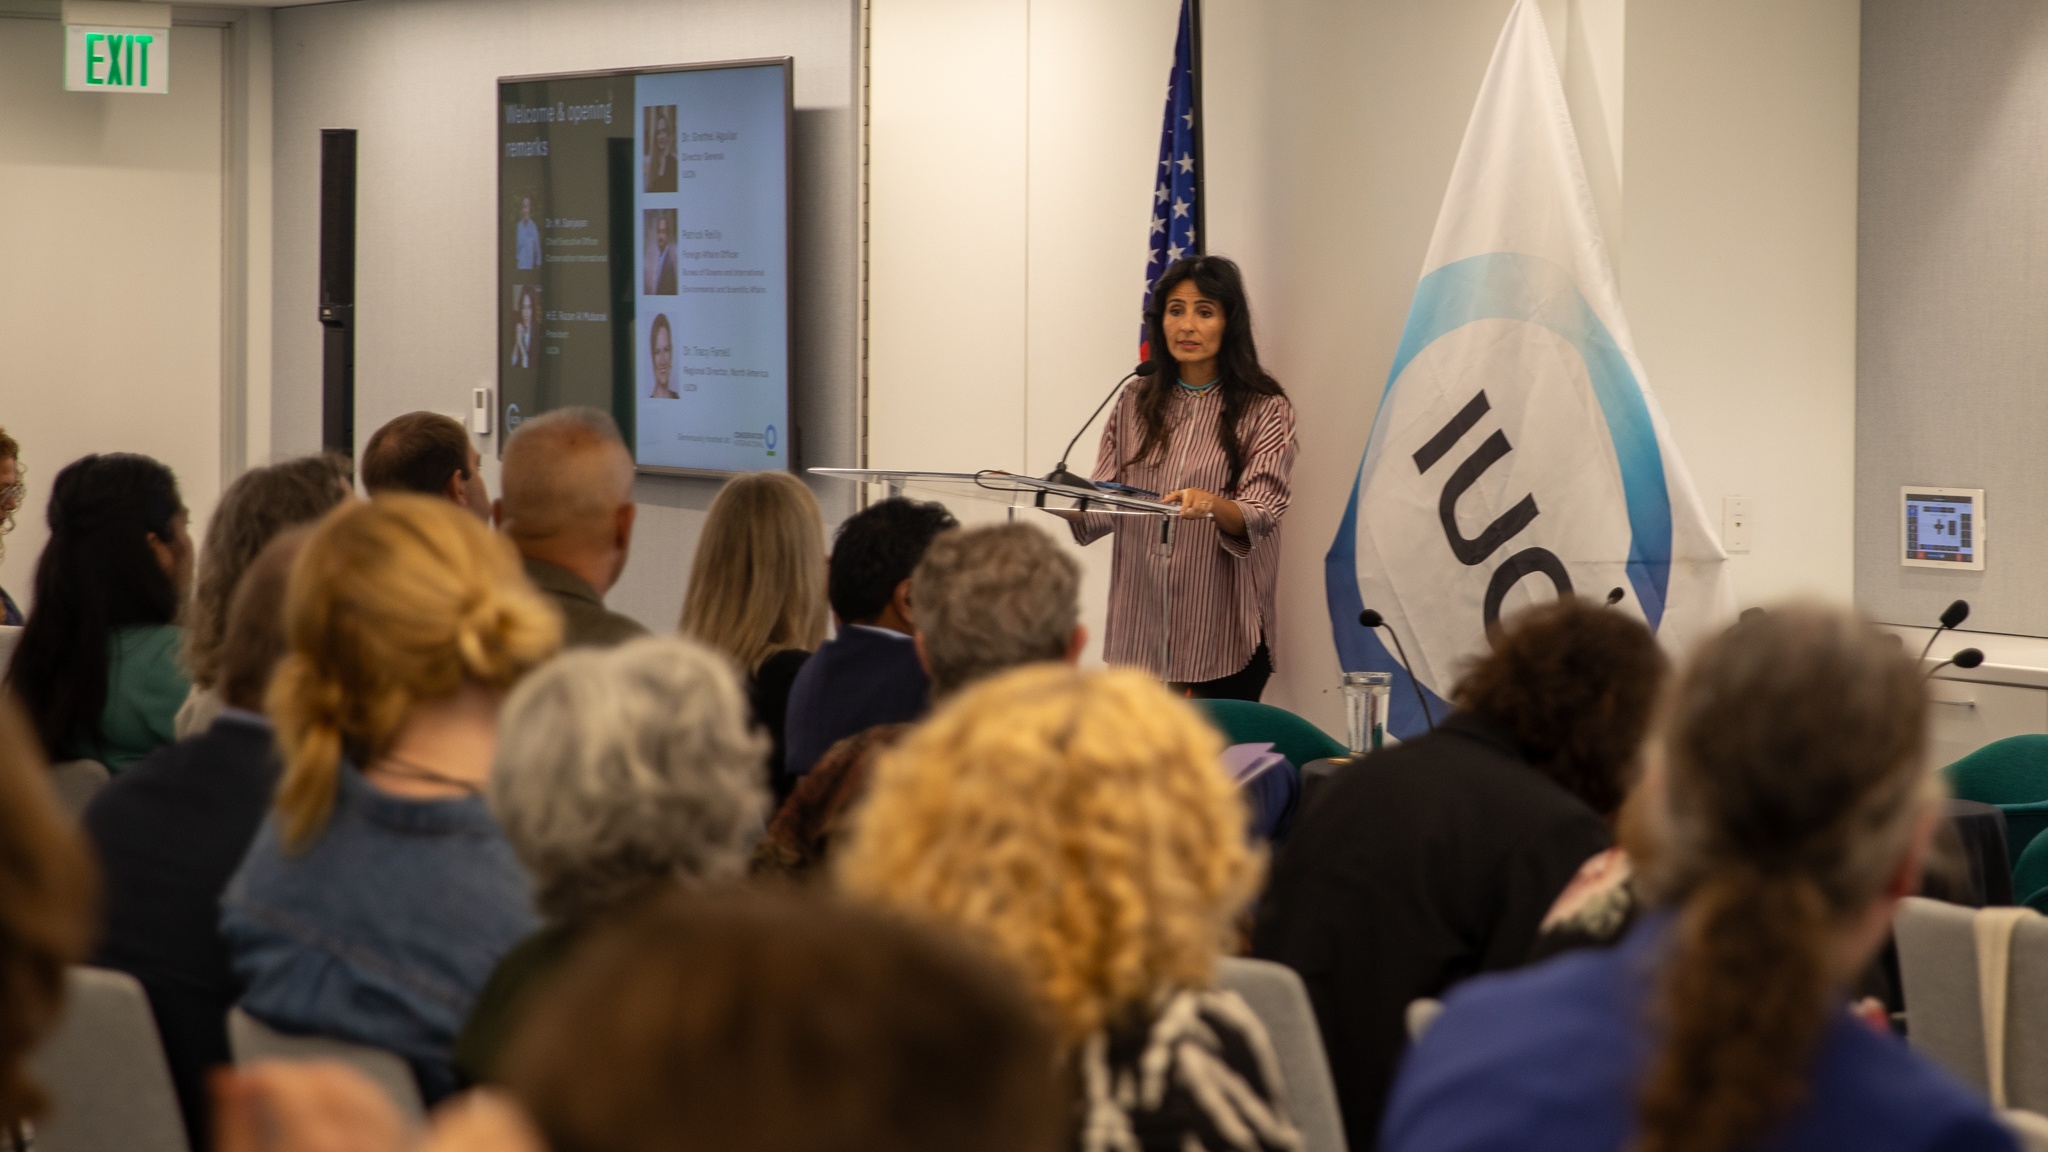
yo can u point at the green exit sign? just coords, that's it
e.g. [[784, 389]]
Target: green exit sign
[[105, 58]]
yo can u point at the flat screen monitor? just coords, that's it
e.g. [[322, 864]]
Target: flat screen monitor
[[644, 258]]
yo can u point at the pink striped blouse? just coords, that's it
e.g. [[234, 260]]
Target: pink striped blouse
[[1223, 587]]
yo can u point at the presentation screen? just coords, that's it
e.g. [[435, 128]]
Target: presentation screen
[[643, 258]]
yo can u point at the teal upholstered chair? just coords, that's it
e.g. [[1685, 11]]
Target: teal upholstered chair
[[2013, 774], [1247, 722], [2030, 875]]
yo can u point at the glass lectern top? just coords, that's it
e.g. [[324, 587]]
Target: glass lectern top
[[1006, 488]]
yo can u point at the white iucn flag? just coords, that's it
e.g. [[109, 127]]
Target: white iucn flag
[[1517, 452]]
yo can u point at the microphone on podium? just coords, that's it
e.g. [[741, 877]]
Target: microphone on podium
[[1059, 473], [1957, 612], [1967, 658], [1370, 618]]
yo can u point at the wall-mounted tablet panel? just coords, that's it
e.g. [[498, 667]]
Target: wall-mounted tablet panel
[[1941, 527]]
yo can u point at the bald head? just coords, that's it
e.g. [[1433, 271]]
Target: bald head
[[568, 493]]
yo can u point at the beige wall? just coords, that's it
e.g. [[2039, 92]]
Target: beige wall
[[111, 288], [1013, 142], [1739, 271]]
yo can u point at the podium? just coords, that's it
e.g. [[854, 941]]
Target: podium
[[1028, 492]]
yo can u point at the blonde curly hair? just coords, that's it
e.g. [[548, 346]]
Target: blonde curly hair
[[1078, 825], [394, 602]]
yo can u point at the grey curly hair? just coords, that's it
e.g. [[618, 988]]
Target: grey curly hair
[[620, 769]]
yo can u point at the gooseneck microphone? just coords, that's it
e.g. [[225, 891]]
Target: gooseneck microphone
[[1957, 612], [1966, 658], [1370, 618], [1059, 473]]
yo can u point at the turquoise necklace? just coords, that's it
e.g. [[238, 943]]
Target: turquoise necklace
[[1202, 389]]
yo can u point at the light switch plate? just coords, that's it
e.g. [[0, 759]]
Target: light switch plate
[[480, 411], [1736, 523]]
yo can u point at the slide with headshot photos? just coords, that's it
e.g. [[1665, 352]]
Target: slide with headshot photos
[[643, 259], [711, 273]]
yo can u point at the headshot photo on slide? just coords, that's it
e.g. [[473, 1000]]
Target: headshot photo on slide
[[658, 147], [659, 278], [525, 316], [526, 234], [661, 351]]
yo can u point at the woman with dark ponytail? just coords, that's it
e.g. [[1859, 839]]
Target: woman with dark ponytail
[[1211, 431], [1789, 812], [97, 666]]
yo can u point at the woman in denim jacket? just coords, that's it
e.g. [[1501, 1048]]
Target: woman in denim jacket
[[380, 893]]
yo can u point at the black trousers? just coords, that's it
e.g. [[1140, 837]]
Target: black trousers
[[1247, 683]]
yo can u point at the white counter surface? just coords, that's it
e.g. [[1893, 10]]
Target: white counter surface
[[2021, 660]]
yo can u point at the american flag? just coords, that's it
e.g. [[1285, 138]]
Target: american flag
[[1176, 198]]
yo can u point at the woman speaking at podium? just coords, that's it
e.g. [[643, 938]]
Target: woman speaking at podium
[[1211, 431]]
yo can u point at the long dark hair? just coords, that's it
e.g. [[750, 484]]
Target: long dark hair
[[96, 574], [1794, 778], [1238, 370]]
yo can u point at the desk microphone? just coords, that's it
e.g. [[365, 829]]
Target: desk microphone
[[1967, 658], [1614, 596], [1059, 473], [1370, 618], [1951, 616]]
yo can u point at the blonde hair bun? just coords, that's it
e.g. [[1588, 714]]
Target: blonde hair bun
[[394, 602]]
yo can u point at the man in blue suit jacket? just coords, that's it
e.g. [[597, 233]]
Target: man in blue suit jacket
[[869, 673]]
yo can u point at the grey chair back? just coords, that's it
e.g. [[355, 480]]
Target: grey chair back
[[110, 1086], [1279, 999], [251, 1040], [77, 781], [1939, 967]]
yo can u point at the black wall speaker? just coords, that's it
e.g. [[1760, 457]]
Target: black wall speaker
[[338, 290]]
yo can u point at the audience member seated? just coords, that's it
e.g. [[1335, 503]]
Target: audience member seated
[[45, 920], [171, 830], [97, 664], [618, 772], [764, 1022], [380, 892], [869, 673], [989, 599], [429, 454], [568, 507], [757, 594], [1432, 861], [1080, 828], [261, 503], [1790, 811], [12, 492]]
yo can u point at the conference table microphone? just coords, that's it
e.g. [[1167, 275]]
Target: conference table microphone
[[1957, 612], [1370, 618], [1059, 473], [1967, 658]]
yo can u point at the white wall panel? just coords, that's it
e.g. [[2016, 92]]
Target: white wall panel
[[110, 271], [1739, 271]]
